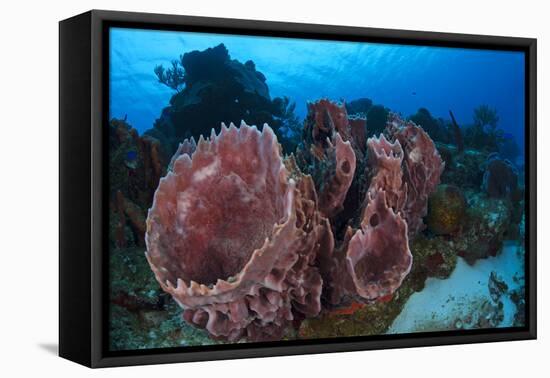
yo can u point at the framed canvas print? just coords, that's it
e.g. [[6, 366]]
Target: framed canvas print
[[233, 188]]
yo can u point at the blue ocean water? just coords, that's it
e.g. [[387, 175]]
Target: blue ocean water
[[403, 78]]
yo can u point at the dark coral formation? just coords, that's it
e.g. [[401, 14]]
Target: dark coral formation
[[137, 165], [217, 88], [484, 135], [447, 210], [436, 128], [360, 106], [500, 179], [464, 170], [487, 222], [377, 117]]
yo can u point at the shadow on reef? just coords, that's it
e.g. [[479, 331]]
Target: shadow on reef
[[328, 236]]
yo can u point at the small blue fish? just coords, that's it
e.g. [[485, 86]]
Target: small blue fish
[[131, 159], [131, 155], [508, 136]]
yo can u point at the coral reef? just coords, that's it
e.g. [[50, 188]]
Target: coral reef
[[174, 77], [484, 135], [286, 245], [432, 258], [360, 106], [324, 120], [377, 118], [487, 222], [215, 88], [435, 128], [288, 126], [324, 228], [446, 210], [136, 163], [500, 179], [464, 170], [509, 148], [141, 315]]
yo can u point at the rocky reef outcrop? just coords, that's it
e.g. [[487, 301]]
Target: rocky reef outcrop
[[447, 210], [500, 179], [218, 88]]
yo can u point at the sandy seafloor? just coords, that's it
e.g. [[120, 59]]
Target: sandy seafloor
[[455, 302]]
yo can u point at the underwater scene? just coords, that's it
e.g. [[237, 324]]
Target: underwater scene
[[265, 189]]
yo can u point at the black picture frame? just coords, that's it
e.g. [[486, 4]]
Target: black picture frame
[[83, 248]]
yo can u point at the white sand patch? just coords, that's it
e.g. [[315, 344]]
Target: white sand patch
[[459, 298]]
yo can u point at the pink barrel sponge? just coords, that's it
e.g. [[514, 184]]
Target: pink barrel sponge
[[378, 257], [335, 190], [223, 236], [247, 243], [385, 171], [422, 168]]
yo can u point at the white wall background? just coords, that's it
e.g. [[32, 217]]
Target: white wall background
[[29, 189]]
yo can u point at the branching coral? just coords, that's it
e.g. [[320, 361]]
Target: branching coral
[[484, 133], [245, 277], [173, 78]]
